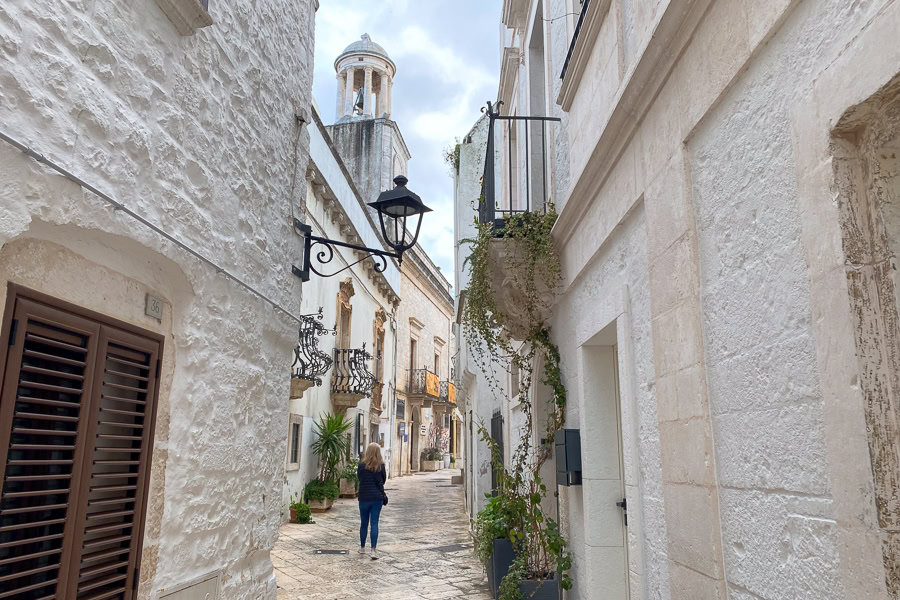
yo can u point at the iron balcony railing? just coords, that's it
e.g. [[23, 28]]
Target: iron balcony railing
[[351, 372], [522, 183], [448, 392], [310, 363], [584, 9], [422, 382]]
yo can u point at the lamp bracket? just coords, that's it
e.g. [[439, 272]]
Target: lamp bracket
[[325, 254]]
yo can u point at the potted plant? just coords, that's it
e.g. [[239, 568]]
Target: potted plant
[[490, 533], [350, 479], [320, 495], [300, 512], [330, 446], [430, 458], [509, 325]]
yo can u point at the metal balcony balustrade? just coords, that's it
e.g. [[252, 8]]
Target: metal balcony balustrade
[[351, 372], [310, 363], [448, 392], [423, 382], [522, 184]]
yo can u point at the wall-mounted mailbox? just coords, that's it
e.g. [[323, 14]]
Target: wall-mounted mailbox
[[567, 447]]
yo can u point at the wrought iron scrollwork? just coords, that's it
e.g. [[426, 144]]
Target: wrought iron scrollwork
[[310, 363], [325, 254], [351, 372]]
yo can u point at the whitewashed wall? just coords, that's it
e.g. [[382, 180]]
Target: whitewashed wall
[[198, 135]]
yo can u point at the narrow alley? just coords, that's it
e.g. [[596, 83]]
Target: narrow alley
[[425, 550]]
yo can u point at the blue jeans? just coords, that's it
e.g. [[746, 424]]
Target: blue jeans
[[369, 511]]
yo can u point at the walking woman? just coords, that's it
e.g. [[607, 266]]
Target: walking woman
[[371, 495]]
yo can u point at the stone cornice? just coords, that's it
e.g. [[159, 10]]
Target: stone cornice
[[672, 33]]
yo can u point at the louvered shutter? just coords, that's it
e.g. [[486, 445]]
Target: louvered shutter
[[77, 409], [45, 393], [110, 515]]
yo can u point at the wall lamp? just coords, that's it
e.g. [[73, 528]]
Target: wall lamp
[[394, 208]]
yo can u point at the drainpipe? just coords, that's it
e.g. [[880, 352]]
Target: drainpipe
[[393, 400]]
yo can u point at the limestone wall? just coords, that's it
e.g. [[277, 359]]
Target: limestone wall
[[717, 129], [197, 135]]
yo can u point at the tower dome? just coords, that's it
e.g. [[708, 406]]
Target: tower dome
[[365, 76]]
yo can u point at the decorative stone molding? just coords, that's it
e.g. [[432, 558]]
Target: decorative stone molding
[[511, 298], [187, 15], [346, 292], [416, 323]]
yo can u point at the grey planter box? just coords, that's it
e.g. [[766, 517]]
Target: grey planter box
[[541, 590], [498, 567]]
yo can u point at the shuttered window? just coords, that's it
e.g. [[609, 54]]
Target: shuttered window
[[77, 406]]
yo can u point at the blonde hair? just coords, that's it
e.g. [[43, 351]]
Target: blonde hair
[[372, 457]]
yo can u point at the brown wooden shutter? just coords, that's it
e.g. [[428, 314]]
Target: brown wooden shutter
[[77, 409], [45, 388], [112, 506]]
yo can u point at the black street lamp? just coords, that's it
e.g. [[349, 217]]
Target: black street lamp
[[394, 208]]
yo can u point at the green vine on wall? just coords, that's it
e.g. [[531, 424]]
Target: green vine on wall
[[530, 261]]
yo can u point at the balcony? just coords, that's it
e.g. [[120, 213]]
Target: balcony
[[351, 380], [310, 363], [448, 393], [516, 183], [423, 387], [516, 167]]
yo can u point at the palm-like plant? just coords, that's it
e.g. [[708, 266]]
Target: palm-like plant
[[331, 444]]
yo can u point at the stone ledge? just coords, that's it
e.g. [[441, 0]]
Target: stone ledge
[[187, 15]]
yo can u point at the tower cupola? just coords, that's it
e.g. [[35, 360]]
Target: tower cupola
[[365, 76]]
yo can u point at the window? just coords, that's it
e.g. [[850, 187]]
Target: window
[[412, 354], [437, 363], [78, 402], [295, 441]]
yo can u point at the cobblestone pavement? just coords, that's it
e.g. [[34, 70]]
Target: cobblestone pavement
[[424, 546]]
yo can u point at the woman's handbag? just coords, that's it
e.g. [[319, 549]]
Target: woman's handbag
[[384, 498]]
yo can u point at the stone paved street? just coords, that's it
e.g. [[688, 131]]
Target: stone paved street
[[425, 515]]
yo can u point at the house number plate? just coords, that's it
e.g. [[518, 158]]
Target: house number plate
[[154, 307]]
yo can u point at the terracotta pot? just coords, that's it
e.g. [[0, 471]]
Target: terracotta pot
[[320, 505], [293, 515]]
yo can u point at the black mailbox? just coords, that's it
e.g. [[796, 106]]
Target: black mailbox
[[567, 447]]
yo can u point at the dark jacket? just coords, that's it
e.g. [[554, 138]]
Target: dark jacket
[[371, 483]]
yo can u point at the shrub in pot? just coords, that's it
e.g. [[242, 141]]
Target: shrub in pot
[[350, 479], [320, 495], [430, 458], [300, 513]]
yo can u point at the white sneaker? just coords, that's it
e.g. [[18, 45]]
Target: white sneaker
[[374, 554], [362, 550]]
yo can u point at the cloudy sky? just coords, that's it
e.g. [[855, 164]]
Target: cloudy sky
[[447, 55]]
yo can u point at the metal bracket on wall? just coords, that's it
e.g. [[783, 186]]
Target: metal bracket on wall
[[624, 506]]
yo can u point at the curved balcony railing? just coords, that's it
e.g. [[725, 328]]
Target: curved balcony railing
[[423, 382], [448, 392], [310, 363], [351, 372]]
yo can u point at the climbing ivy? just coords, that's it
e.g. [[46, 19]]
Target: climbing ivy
[[531, 262]]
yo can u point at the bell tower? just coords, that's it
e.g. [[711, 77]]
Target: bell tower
[[366, 138], [365, 76]]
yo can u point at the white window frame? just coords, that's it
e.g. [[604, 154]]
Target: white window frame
[[295, 419]]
